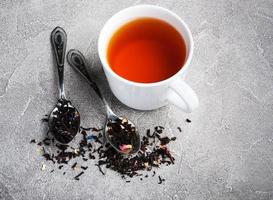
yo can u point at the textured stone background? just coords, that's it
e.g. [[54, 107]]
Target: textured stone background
[[225, 153]]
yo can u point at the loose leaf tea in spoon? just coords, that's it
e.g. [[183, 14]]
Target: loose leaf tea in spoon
[[64, 121], [122, 135]]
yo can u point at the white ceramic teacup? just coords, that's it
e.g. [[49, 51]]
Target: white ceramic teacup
[[149, 96]]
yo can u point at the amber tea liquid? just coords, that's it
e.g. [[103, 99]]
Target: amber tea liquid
[[146, 50]]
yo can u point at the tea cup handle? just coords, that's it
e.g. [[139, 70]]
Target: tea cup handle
[[182, 95]]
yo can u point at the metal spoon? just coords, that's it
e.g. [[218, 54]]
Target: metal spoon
[[76, 60], [64, 119]]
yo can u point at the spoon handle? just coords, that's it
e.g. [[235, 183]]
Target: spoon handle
[[58, 41], [76, 60]]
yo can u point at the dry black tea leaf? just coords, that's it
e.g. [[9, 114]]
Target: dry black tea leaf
[[84, 168], [153, 173], [78, 176], [74, 165], [100, 169], [161, 180], [45, 120], [49, 157], [159, 129], [47, 141]]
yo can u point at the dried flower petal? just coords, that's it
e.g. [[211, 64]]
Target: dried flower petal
[[40, 150], [76, 151], [124, 121], [125, 147], [43, 168]]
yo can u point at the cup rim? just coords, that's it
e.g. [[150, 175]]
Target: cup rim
[[106, 66]]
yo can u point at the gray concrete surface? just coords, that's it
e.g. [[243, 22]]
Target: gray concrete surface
[[225, 153]]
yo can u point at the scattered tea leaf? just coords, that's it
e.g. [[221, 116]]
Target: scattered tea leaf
[[84, 168], [100, 169], [32, 141], [161, 180], [74, 165], [78, 176], [153, 153]]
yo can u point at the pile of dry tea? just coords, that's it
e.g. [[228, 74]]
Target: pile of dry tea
[[153, 153], [64, 154]]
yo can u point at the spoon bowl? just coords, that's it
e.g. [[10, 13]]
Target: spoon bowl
[[64, 121], [129, 129]]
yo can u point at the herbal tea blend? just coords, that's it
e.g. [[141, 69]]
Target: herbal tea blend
[[153, 153], [64, 121], [122, 135]]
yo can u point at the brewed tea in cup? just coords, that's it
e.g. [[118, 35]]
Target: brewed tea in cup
[[146, 50]]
